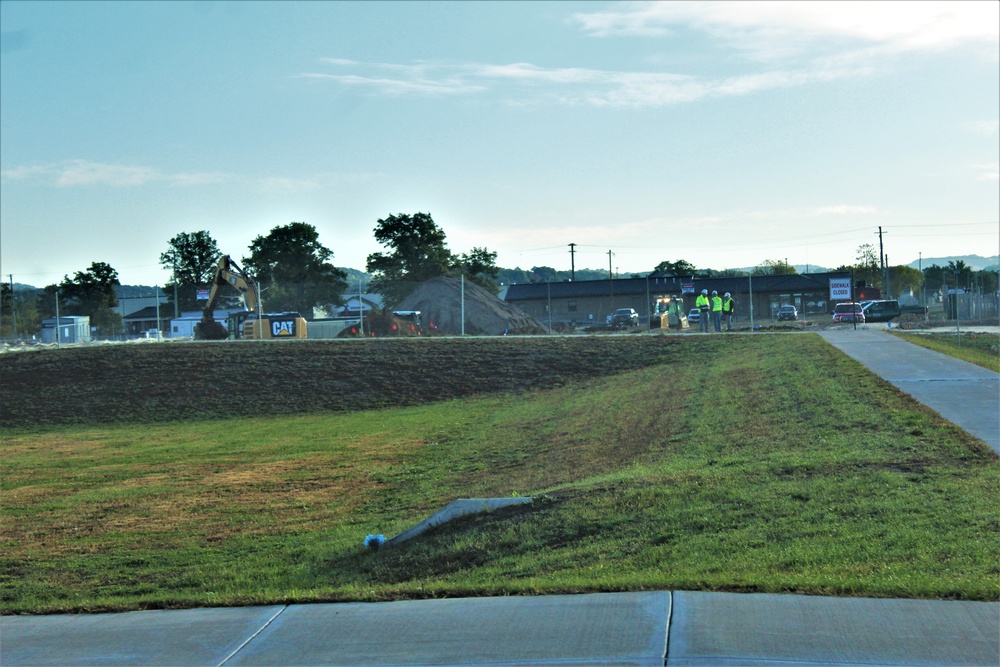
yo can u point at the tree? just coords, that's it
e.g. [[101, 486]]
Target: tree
[[961, 273], [292, 265], [92, 293], [868, 268], [905, 280], [192, 259], [418, 254], [679, 268], [480, 266], [774, 267], [545, 274]]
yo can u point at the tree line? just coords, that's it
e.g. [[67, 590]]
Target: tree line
[[294, 269], [290, 265]]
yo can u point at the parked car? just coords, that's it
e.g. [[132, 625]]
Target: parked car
[[694, 317], [624, 318], [848, 312], [881, 311], [787, 313]]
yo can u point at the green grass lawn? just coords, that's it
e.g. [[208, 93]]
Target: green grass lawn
[[768, 463], [976, 348]]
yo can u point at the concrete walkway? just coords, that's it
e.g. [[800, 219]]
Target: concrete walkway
[[963, 393], [646, 629]]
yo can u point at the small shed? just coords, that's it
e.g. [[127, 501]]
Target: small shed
[[70, 329]]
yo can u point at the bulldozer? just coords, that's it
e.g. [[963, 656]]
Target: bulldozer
[[248, 324]]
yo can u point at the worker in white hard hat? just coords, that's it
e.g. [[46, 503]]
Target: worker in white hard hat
[[716, 311], [702, 304], [728, 308]]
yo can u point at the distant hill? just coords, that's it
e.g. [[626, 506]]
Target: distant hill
[[976, 262]]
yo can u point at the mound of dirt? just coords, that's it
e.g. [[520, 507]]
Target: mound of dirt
[[440, 302]]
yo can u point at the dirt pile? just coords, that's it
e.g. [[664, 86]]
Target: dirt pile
[[440, 302]]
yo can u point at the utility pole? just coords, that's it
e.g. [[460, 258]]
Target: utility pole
[[572, 262], [58, 321], [888, 291], [611, 282], [920, 267], [13, 312], [881, 257]]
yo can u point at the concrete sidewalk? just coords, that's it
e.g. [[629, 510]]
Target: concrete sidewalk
[[647, 629], [963, 393]]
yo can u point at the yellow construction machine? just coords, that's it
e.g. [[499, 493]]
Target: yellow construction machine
[[250, 323]]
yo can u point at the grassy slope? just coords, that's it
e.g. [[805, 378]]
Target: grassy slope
[[976, 348], [742, 463]]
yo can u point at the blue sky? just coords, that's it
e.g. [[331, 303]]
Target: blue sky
[[722, 133]]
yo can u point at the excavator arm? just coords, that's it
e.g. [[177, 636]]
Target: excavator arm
[[228, 274]]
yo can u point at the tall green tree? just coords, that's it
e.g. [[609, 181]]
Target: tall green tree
[[680, 268], [905, 280], [92, 293], [192, 259], [867, 267], [480, 266], [774, 267], [292, 265], [418, 253]]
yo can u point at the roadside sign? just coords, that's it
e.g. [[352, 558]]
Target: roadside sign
[[687, 288], [840, 289]]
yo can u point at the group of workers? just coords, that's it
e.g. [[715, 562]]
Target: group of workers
[[716, 306]]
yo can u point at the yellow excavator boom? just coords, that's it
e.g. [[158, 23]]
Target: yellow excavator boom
[[228, 273]]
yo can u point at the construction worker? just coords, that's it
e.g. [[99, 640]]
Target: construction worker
[[703, 306], [728, 308], [716, 311]]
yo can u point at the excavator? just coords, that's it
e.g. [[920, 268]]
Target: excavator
[[250, 323]]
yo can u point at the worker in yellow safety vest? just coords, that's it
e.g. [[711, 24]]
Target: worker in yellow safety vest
[[702, 304], [728, 309], [716, 311]]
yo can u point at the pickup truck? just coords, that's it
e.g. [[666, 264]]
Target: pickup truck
[[624, 318]]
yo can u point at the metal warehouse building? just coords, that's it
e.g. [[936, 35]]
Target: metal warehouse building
[[590, 302]]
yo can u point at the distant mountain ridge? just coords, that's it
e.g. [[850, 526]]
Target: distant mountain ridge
[[975, 262]]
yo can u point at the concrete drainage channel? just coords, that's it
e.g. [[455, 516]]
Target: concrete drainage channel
[[459, 508]]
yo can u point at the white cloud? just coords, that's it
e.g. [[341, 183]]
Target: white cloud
[[82, 172], [988, 127], [572, 85], [988, 172], [71, 173], [843, 209], [789, 26]]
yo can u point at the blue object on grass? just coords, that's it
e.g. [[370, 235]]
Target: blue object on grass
[[374, 541]]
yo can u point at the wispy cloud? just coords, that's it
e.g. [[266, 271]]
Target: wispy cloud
[[570, 85], [844, 209], [778, 28], [988, 127], [988, 172], [72, 173], [82, 173]]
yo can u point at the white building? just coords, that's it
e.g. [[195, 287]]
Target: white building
[[71, 329], [183, 326]]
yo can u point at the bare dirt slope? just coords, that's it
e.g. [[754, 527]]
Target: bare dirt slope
[[206, 380], [440, 301]]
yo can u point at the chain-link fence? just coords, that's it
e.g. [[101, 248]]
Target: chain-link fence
[[457, 306]]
